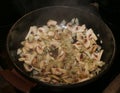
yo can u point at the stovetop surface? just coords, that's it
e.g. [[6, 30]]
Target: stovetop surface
[[109, 11]]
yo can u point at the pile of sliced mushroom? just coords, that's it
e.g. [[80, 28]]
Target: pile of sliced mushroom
[[64, 53]]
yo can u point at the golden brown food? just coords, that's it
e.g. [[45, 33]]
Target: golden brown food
[[64, 53]]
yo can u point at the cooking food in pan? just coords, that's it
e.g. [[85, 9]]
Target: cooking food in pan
[[61, 53]]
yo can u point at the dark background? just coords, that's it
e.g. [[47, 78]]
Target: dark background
[[12, 10]]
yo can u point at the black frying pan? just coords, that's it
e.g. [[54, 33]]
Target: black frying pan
[[41, 16]]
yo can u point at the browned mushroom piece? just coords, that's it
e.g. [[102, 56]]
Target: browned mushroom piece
[[28, 67]]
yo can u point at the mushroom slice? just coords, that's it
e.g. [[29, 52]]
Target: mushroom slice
[[80, 37], [82, 28], [57, 36], [51, 23], [29, 58], [61, 56], [93, 48], [76, 21], [84, 79], [33, 29], [51, 33], [90, 34], [62, 25], [46, 79], [39, 50], [86, 43], [28, 67], [21, 59], [97, 55], [58, 71], [34, 61], [28, 45], [41, 30], [77, 45], [55, 43], [30, 38], [19, 51], [42, 64], [100, 63]]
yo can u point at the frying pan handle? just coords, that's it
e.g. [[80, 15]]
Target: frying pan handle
[[17, 80], [114, 86]]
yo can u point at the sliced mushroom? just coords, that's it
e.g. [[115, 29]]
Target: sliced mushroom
[[19, 51], [21, 59], [78, 57], [41, 30], [30, 38], [62, 25], [84, 79], [57, 36], [55, 43], [81, 28], [86, 43], [28, 58], [42, 64], [100, 63], [90, 34], [36, 37], [97, 55], [78, 45], [33, 29], [51, 23], [46, 79], [93, 48], [58, 71], [76, 21], [80, 37], [54, 81], [34, 61], [51, 34], [39, 50], [28, 67], [61, 56]]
